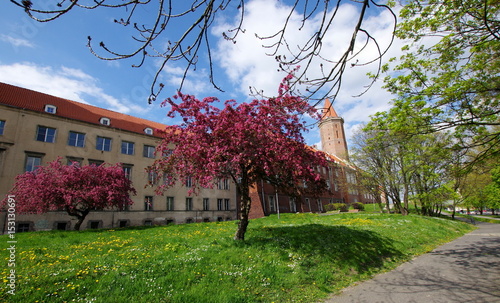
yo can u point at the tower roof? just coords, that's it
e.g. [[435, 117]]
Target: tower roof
[[329, 111]]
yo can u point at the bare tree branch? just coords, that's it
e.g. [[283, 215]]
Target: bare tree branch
[[195, 41]]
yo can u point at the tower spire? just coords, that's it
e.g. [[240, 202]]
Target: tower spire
[[331, 129], [329, 111]]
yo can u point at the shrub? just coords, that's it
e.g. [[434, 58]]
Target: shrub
[[358, 205], [336, 206], [342, 207], [330, 207]]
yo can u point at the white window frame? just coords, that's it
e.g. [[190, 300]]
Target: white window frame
[[105, 121], [51, 109]]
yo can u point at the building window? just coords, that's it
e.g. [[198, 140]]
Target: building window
[[167, 152], [95, 162], [72, 160], [272, 204], [123, 223], [127, 148], [61, 225], [95, 224], [148, 131], [148, 203], [189, 203], [293, 205], [170, 203], [76, 139], [46, 134], [127, 170], [148, 222], [51, 109], [22, 227], [226, 204], [2, 126], [167, 178], [32, 162], [149, 151], [223, 184], [103, 144], [152, 176], [320, 206], [206, 204], [189, 181], [219, 204], [105, 121]]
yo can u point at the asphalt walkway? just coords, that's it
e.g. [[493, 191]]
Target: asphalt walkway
[[464, 270]]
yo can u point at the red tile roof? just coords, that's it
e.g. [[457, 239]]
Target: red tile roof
[[35, 101]]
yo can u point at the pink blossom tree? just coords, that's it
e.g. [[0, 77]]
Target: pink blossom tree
[[73, 188], [247, 142]]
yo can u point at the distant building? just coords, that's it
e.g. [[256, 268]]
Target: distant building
[[331, 129], [36, 128]]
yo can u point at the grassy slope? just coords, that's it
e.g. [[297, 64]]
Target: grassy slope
[[298, 258]]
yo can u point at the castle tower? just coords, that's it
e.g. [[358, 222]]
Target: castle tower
[[331, 129]]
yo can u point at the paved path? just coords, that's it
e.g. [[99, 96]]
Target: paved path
[[464, 270]]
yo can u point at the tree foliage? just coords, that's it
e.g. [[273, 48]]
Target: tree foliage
[[406, 166], [247, 142], [72, 188], [195, 20], [450, 71], [481, 189]]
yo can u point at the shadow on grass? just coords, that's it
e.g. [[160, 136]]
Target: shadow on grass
[[360, 250]]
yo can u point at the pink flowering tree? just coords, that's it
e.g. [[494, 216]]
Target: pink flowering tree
[[73, 188], [247, 142]]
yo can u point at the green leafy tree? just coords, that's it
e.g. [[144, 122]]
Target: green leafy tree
[[450, 71], [431, 160], [409, 166], [380, 155], [492, 192]]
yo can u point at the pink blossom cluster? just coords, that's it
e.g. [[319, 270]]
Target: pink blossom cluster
[[73, 188], [247, 141]]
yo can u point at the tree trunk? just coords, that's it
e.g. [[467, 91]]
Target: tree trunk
[[80, 214], [243, 224], [79, 223], [387, 204], [245, 203]]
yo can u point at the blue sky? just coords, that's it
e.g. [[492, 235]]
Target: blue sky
[[53, 58]]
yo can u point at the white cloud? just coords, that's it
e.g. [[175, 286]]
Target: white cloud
[[246, 63], [16, 42], [64, 82], [196, 83]]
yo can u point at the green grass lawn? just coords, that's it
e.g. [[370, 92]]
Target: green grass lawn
[[297, 258]]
